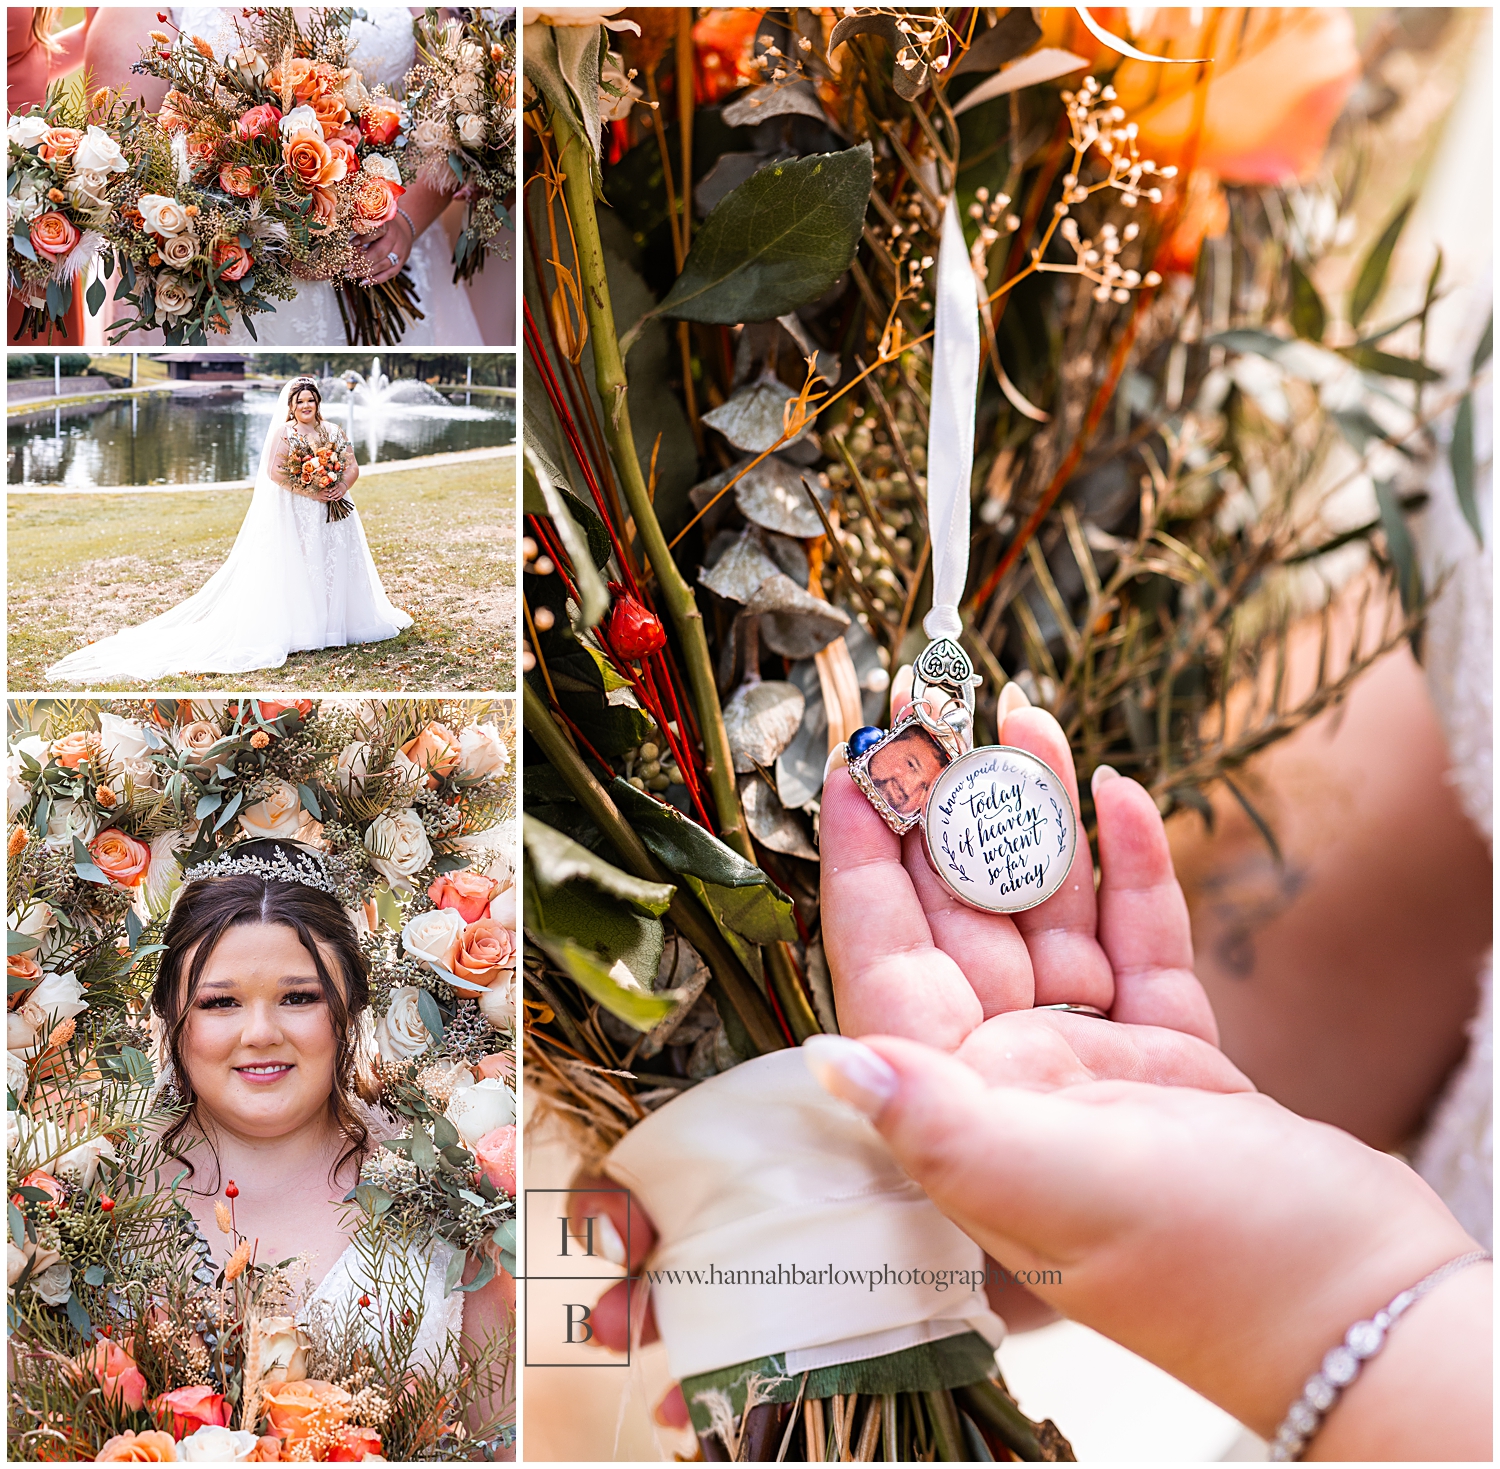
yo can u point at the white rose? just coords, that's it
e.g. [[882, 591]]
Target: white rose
[[140, 773], [59, 997], [353, 766], [300, 121], [99, 153], [16, 1082], [122, 739], [468, 90], [429, 135], [470, 56], [498, 1004], [398, 847], [35, 746], [503, 907], [480, 1109], [27, 132], [20, 1031], [81, 1164], [489, 847], [27, 201], [370, 714], [87, 188], [248, 62], [55, 1284], [278, 815], [17, 792], [432, 937], [481, 752], [284, 1349], [70, 819], [180, 250], [400, 1034], [382, 168], [36, 920], [173, 297], [162, 215], [471, 129], [216, 1446]]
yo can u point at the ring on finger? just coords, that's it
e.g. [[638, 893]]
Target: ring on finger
[[1071, 1009]]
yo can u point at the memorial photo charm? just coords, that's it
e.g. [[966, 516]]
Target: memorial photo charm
[[1000, 829], [898, 770]]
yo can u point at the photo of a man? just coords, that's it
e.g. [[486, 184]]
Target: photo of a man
[[905, 769]]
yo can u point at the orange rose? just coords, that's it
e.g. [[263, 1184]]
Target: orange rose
[[130, 1447], [274, 708], [306, 1411], [496, 1152], [120, 857], [237, 180], [75, 749], [484, 951], [325, 209], [116, 1372], [312, 162], [267, 1450], [725, 43], [467, 891], [188, 1409], [345, 150], [355, 1444], [203, 144], [434, 749], [374, 201], [499, 1067], [231, 259], [53, 234], [40, 1179], [380, 120], [24, 968], [315, 84], [59, 144], [172, 114]]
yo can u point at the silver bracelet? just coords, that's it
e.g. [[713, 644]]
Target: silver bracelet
[[1342, 1365], [404, 215]]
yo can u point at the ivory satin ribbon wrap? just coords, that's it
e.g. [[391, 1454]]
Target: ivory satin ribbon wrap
[[759, 1168]]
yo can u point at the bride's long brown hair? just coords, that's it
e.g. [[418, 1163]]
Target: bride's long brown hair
[[205, 911]]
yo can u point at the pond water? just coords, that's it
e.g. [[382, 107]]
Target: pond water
[[205, 437]]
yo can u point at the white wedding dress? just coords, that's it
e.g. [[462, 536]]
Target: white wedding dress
[[385, 50], [294, 581]]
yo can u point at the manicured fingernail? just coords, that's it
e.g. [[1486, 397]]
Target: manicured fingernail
[[850, 1071], [1101, 774], [1012, 697], [611, 1246], [838, 758]]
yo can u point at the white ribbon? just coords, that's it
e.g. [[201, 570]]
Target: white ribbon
[[759, 1169], [950, 437]]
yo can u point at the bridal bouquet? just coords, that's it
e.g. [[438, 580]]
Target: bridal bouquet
[[68, 165], [1185, 446], [461, 95], [321, 467], [128, 1342], [283, 138]]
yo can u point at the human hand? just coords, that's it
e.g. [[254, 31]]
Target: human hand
[[1220, 1236], [392, 239], [908, 958]]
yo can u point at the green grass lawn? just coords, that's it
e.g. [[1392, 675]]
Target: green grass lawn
[[84, 566]]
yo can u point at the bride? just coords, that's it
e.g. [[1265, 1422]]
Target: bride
[[385, 50], [295, 580], [259, 998]]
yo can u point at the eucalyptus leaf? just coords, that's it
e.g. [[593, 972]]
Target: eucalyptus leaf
[[422, 1152], [1045, 65], [760, 104], [777, 242], [796, 624], [910, 74], [1372, 271], [1015, 32], [1461, 461], [483, 1278], [753, 417], [431, 1015], [770, 823], [778, 496], [20, 943], [761, 720], [740, 569], [1309, 315], [1399, 543]]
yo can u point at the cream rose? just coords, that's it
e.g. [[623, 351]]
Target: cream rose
[[503, 907], [78, 1165], [122, 739], [20, 1030], [299, 122], [162, 214], [283, 1350], [58, 997], [70, 819], [433, 937], [87, 188], [481, 1108], [278, 815], [468, 90], [27, 132], [381, 167], [471, 129], [481, 752], [180, 250], [353, 766], [54, 1284], [211, 1445], [248, 62], [400, 1034], [398, 847], [470, 55], [173, 298], [36, 920], [429, 135], [97, 152], [498, 1004], [16, 1079]]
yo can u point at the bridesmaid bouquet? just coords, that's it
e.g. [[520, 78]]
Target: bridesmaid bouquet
[[463, 137], [284, 137], [128, 1342], [320, 467], [69, 163]]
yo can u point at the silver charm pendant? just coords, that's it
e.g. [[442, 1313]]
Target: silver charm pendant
[[897, 770], [1000, 829], [944, 665]]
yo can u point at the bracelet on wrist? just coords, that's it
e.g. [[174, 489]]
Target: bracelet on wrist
[[404, 215], [1341, 1366]]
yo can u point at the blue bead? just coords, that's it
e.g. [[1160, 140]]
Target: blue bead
[[863, 738]]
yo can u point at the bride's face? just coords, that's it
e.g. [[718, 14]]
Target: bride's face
[[305, 406], [259, 1046]]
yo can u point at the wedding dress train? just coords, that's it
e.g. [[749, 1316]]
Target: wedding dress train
[[294, 581]]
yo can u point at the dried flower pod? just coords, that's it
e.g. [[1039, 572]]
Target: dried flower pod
[[634, 630]]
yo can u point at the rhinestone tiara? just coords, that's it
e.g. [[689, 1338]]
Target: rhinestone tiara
[[300, 866]]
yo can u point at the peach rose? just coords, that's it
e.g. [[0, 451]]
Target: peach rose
[[434, 749], [130, 1447], [353, 1446], [374, 201], [306, 1410], [267, 1450], [468, 891], [499, 1067], [272, 709], [75, 749], [188, 1409], [120, 857], [40, 1179], [312, 162], [484, 951], [54, 234], [24, 968], [277, 814], [237, 180], [258, 122], [203, 144], [115, 1369], [172, 114], [496, 1152], [345, 150], [59, 144], [314, 84], [231, 259], [380, 121], [199, 737]]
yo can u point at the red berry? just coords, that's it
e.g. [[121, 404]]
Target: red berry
[[106, 1203], [231, 1192], [634, 630], [364, 1300]]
